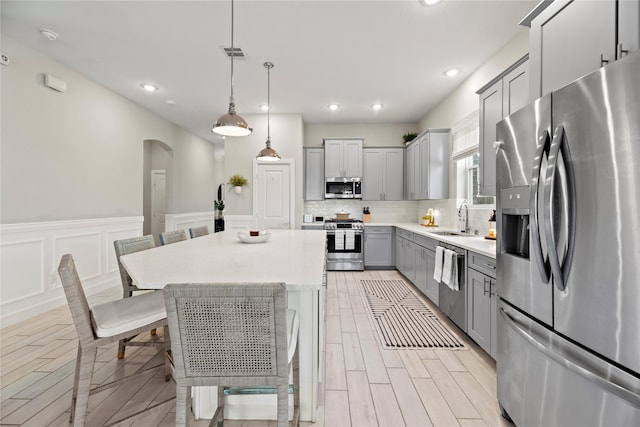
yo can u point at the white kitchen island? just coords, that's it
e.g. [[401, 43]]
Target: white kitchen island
[[295, 257]]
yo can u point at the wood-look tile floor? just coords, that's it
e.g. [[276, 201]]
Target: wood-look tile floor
[[364, 384]]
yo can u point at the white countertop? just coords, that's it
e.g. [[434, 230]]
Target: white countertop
[[295, 257], [475, 244]]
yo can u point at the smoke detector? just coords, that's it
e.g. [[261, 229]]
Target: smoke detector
[[48, 34]]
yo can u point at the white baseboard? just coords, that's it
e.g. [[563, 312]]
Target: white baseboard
[[30, 253]]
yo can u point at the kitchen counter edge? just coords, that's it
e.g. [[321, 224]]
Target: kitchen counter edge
[[479, 245]]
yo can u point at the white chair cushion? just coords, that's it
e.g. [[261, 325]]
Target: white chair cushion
[[293, 324], [115, 317]]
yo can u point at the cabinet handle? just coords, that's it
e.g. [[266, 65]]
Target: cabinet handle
[[492, 285], [491, 266], [622, 52], [603, 61], [484, 286]]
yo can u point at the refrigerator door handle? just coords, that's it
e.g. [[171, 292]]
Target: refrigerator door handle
[[611, 387], [536, 182], [563, 169]]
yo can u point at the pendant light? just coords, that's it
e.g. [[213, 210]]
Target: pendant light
[[231, 124], [268, 154]]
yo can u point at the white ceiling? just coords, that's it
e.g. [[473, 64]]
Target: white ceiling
[[353, 53]]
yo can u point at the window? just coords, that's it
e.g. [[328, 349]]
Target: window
[[467, 177], [467, 160]]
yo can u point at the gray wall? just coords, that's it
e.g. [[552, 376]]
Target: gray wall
[[240, 153], [79, 154]]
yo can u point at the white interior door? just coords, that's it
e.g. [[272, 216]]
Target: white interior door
[[273, 195], [158, 201]]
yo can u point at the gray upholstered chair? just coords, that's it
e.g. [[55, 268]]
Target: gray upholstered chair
[[198, 231], [168, 237], [233, 335], [124, 247], [103, 324]]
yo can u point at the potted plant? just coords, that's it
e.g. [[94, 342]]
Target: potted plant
[[409, 136], [237, 182]]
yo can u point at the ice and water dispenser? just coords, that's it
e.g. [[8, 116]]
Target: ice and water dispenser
[[514, 235]]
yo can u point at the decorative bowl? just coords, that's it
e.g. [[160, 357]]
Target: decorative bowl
[[245, 237]]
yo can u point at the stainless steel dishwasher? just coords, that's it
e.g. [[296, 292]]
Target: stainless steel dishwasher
[[454, 303]]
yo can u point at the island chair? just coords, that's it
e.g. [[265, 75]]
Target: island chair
[[104, 324], [124, 247], [198, 231], [168, 237], [233, 335]]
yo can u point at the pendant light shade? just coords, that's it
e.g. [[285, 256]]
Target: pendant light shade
[[231, 124], [268, 154]]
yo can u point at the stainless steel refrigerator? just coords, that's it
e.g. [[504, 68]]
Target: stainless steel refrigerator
[[568, 254]]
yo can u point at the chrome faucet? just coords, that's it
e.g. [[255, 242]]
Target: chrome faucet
[[464, 204]]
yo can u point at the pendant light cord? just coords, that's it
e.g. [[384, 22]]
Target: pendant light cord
[[268, 65], [233, 54]]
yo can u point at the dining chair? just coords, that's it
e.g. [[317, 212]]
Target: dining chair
[[198, 231], [233, 335], [103, 324], [125, 247], [167, 237]]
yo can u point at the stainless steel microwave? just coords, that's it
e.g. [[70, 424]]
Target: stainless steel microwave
[[342, 188]]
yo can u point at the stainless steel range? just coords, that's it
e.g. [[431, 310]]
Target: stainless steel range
[[345, 244]]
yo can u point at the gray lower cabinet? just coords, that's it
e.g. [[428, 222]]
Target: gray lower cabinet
[[378, 247], [314, 173], [415, 259], [482, 302]]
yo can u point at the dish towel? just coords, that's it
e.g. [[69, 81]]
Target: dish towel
[[339, 240], [350, 240], [437, 270], [450, 270]]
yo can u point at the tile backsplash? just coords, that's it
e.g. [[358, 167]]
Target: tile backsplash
[[446, 212]]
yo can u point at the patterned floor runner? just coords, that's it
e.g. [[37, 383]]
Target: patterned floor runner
[[402, 319]]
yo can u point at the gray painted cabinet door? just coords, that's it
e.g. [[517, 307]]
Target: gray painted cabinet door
[[313, 173], [378, 251], [433, 287], [479, 309], [568, 40], [393, 173], [490, 114], [333, 159]]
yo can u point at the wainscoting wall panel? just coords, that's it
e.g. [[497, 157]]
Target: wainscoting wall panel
[[30, 253], [185, 221]]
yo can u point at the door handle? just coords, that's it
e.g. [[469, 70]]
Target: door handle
[[610, 386], [622, 52], [536, 178], [564, 169]]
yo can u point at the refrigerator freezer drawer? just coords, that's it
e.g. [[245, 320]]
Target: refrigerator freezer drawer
[[545, 380]]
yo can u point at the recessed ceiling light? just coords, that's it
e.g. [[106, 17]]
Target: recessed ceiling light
[[264, 107], [451, 72], [376, 106], [429, 2], [149, 87], [333, 107], [170, 102]]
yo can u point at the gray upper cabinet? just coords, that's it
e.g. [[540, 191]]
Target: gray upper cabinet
[[383, 177], [428, 158], [314, 173], [343, 158], [502, 96], [571, 38]]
